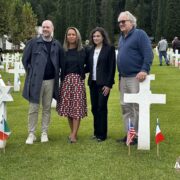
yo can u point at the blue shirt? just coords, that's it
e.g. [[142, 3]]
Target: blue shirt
[[134, 53]]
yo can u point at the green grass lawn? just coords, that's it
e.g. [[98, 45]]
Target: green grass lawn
[[88, 159]]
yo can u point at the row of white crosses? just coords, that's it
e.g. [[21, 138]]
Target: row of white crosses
[[17, 71], [174, 58], [10, 59], [144, 98], [5, 96], [15, 60]]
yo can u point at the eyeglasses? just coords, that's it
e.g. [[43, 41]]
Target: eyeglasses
[[123, 21]]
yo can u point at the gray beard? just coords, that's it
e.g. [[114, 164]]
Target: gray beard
[[48, 39]]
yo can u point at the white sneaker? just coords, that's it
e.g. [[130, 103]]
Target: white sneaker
[[31, 138], [44, 137]]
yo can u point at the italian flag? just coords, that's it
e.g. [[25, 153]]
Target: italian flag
[[4, 130], [159, 136]]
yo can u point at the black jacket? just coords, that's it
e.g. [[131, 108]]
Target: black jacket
[[106, 65], [34, 60]]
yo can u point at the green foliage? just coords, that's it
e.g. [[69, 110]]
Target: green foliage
[[28, 16], [161, 18], [5, 16], [107, 18], [17, 20], [172, 23], [143, 11], [92, 20], [130, 5], [88, 159], [154, 15], [157, 17]]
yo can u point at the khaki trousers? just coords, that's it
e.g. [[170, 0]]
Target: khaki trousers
[[129, 110], [45, 99]]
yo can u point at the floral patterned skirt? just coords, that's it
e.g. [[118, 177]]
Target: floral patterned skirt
[[72, 97]]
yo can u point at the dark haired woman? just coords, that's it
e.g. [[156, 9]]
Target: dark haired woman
[[101, 64]]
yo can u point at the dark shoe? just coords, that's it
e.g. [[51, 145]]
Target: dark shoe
[[134, 142], [100, 140], [167, 64], [160, 64], [122, 140]]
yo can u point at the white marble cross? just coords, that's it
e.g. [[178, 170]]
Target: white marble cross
[[144, 98], [5, 96], [16, 72], [176, 56]]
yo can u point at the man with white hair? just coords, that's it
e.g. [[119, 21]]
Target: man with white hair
[[133, 61], [41, 60]]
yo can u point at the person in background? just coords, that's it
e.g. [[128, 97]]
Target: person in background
[[176, 45], [1, 58], [41, 60], [162, 48], [72, 94], [101, 65], [134, 60]]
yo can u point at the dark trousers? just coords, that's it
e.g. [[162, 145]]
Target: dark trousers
[[99, 110]]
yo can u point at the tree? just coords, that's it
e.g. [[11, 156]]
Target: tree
[[85, 18], [23, 22], [154, 15], [161, 18], [130, 5], [60, 22], [143, 13], [92, 22], [172, 23], [16, 19], [107, 17], [28, 23], [118, 7], [5, 16]]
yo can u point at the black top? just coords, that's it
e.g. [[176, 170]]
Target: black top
[[79, 57], [71, 62], [49, 70]]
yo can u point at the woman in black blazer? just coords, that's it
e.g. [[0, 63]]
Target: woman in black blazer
[[101, 65]]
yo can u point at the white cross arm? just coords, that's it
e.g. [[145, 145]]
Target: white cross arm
[[158, 99], [5, 95], [148, 98], [19, 71]]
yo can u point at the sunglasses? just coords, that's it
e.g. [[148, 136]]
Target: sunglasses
[[123, 21]]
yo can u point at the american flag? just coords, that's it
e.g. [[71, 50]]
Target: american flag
[[131, 134]]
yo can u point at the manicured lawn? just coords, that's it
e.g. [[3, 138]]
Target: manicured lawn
[[88, 159]]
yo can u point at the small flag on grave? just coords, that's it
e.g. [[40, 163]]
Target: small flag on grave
[[159, 135], [4, 130], [130, 136]]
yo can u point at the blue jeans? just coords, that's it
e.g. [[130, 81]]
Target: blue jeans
[[163, 54]]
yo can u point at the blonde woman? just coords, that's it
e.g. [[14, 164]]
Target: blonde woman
[[72, 93]]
